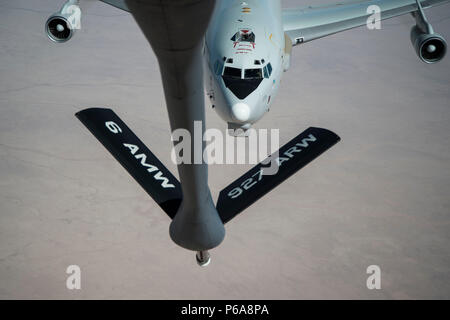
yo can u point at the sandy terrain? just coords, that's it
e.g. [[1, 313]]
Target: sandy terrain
[[381, 196]]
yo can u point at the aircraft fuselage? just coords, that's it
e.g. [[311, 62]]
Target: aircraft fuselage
[[245, 57]]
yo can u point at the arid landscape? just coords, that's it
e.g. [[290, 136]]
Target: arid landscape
[[380, 197]]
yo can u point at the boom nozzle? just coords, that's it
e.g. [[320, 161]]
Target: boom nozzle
[[203, 258]]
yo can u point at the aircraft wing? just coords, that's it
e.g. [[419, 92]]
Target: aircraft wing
[[120, 4], [314, 22]]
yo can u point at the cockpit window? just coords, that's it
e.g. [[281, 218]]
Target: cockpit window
[[267, 70], [253, 74], [234, 73], [218, 66], [244, 35], [241, 88]]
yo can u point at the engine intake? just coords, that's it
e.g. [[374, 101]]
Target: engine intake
[[58, 28], [430, 48], [61, 26]]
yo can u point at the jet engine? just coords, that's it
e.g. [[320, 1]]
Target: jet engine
[[61, 26], [430, 47]]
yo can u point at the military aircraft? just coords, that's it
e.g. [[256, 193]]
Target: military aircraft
[[235, 51]]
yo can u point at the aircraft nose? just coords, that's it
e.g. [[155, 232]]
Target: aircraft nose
[[241, 112]]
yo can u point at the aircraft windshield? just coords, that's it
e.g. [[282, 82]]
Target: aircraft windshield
[[233, 73], [253, 74], [242, 87]]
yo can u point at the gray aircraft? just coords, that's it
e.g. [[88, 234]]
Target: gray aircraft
[[236, 51]]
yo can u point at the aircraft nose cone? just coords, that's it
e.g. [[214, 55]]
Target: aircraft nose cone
[[241, 112]]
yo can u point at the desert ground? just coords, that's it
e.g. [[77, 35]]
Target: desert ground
[[380, 197]]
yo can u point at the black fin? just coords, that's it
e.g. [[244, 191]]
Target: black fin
[[134, 156], [291, 157]]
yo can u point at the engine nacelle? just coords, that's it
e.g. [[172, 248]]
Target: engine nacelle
[[58, 28], [61, 26], [430, 47]]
